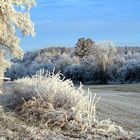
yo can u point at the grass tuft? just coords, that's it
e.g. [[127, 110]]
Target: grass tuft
[[45, 106]]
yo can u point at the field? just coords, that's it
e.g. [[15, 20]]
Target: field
[[120, 103]]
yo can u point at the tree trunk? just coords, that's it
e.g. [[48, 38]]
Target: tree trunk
[[1, 78]]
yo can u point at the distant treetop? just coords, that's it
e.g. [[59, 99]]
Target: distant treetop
[[83, 47]]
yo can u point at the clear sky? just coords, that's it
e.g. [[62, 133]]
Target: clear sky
[[62, 22]]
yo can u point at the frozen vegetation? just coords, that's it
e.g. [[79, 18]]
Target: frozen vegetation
[[14, 14], [45, 106], [89, 62]]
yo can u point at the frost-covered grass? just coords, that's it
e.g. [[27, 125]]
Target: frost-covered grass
[[61, 94], [46, 106]]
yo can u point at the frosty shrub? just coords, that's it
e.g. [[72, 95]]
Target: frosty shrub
[[48, 103], [129, 73], [60, 93]]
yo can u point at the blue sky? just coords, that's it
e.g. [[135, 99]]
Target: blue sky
[[62, 22]]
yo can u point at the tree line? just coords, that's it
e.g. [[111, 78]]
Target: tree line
[[88, 62]]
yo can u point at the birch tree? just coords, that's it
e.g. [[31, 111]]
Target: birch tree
[[104, 52]]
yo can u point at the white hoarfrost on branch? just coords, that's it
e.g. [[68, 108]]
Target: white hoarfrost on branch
[[104, 52], [14, 14]]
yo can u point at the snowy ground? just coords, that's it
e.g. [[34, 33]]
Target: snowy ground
[[120, 103]]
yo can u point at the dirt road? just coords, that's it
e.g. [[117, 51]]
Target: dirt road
[[121, 104]]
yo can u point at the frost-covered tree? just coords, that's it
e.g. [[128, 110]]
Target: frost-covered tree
[[14, 14], [83, 47], [104, 52]]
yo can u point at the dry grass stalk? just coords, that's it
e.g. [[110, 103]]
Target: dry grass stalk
[[49, 107]]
